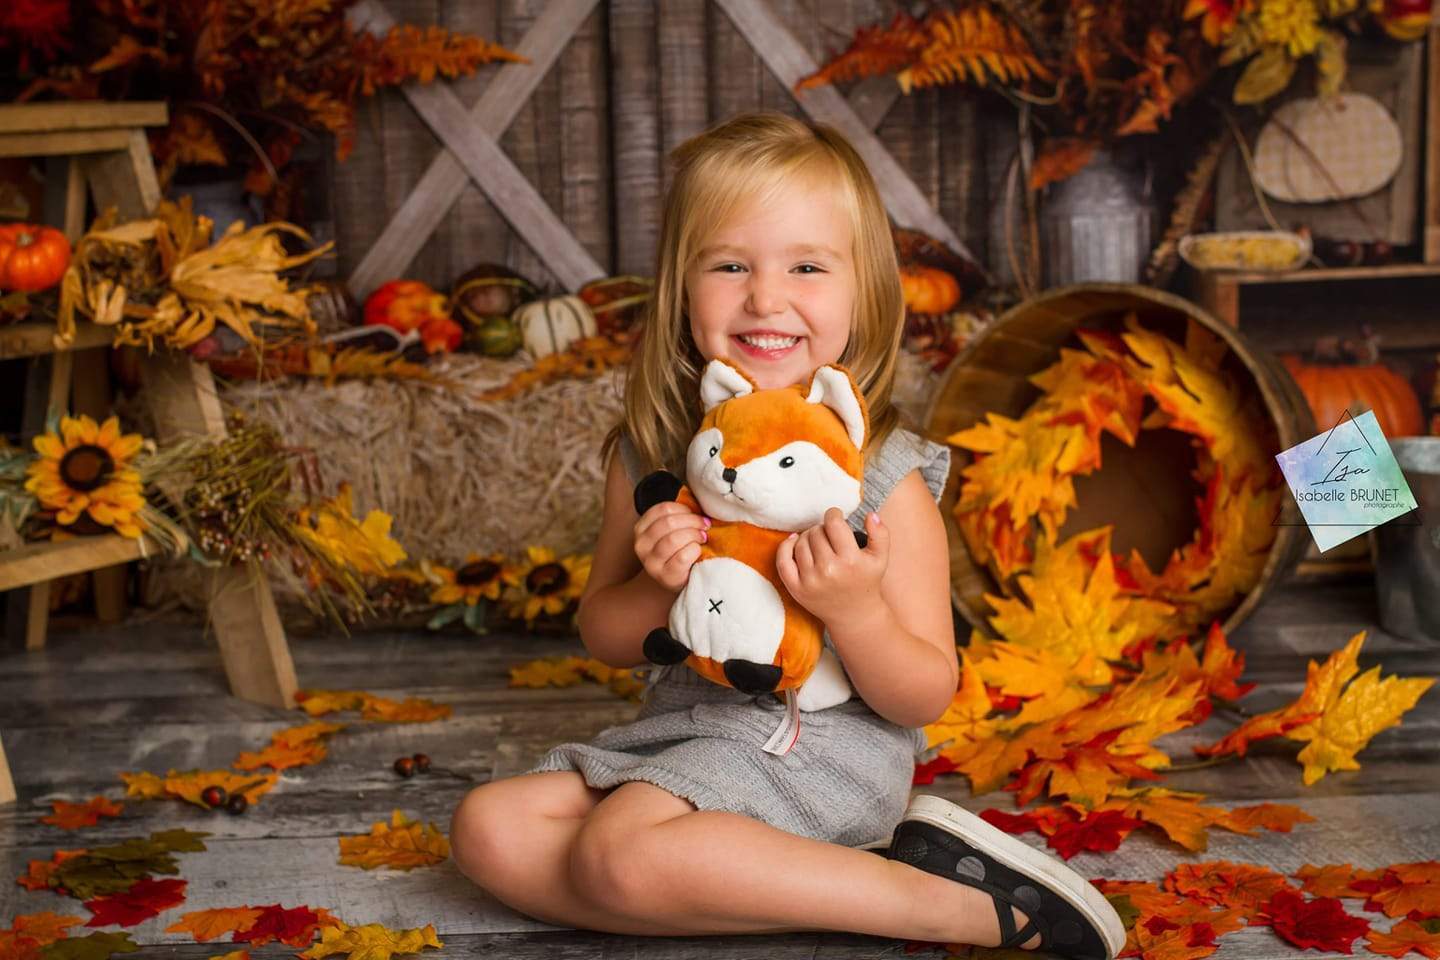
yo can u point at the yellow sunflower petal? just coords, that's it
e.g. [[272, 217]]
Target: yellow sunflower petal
[[109, 432], [49, 445], [126, 447]]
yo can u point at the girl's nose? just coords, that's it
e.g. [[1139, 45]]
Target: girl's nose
[[764, 298]]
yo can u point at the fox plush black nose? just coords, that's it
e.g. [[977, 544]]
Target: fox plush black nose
[[729, 474], [747, 676]]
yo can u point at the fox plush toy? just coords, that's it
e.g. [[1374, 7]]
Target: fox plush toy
[[764, 463]]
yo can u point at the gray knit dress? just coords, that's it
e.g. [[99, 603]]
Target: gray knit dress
[[847, 779]]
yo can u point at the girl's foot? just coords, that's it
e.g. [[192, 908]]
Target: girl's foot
[[1070, 916]]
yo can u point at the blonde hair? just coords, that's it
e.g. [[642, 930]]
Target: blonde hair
[[753, 156]]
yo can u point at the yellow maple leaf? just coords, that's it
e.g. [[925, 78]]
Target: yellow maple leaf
[[279, 756], [206, 925], [320, 702], [547, 672], [144, 785], [410, 710], [233, 955], [371, 942], [189, 785], [964, 720], [401, 844], [1367, 706], [306, 732]]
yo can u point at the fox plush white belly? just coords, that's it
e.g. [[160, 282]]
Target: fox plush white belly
[[764, 464]]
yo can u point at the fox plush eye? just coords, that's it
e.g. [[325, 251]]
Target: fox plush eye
[[714, 450], [787, 461]]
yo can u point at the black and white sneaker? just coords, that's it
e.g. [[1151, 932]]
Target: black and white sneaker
[[1072, 918]]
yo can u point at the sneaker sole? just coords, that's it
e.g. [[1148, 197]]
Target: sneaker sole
[[1065, 882]]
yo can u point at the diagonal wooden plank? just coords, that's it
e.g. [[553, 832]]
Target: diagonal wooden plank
[[445, 178], [789, 61]]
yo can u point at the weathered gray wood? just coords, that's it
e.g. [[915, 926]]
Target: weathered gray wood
[[635, 127], [683, 66], [789, 61], [411, 227], [581, 166]]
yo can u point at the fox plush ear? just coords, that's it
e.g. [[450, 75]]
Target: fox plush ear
[[832, 386], [723, 381]]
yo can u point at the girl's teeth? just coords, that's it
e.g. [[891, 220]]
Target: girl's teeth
[[771, 343]]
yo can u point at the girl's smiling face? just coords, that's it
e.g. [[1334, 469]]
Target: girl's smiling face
[[774, 289]]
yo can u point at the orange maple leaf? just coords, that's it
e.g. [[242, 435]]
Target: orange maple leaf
[[39, 872], [1239, 886], [1408, 888], [1337, 880], [206, 925], [371, 707], [1405, 936], [73, 816], [1279, 817], [43, 928]]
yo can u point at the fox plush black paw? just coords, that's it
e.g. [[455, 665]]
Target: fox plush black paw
[[663, 649], [658, 487]]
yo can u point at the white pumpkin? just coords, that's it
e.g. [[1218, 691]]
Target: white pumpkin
[[550, 325]]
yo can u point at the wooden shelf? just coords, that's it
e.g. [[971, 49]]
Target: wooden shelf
[[39, 562], [1322, 274], [38, 339]]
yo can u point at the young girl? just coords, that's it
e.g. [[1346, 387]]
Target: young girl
[[776, 255]]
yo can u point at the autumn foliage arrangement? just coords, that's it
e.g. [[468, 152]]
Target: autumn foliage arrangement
[[1098, 71], [248, 81]]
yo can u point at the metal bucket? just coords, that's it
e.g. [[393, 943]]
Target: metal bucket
[[1407, 549]]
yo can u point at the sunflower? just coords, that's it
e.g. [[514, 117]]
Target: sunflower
[[84, 470], [480, 578], [547, 585]]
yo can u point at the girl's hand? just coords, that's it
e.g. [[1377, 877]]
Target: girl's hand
[[667, 541], [826, 571]]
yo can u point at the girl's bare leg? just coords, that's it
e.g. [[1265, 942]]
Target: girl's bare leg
[[513, 838], [644, 854]]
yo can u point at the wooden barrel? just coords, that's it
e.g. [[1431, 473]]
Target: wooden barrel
[[1146, 492]]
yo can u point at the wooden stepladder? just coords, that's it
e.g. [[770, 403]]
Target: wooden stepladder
[[101, 149]]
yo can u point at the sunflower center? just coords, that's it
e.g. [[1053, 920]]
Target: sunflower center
[[546, 579], [86, 467], [479, 572]]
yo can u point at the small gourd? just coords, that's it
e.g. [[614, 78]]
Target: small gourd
[[551, 325], [32, 257], [928, 289]]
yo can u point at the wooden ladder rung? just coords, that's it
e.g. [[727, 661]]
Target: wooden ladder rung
[[39, 562], [37, 339]]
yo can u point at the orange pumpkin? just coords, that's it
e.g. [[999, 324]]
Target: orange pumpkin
[[928, 289], [1331, 389], [32, 257]]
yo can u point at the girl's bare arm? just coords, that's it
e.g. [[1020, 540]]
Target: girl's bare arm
[[621, 603], [901, 654]]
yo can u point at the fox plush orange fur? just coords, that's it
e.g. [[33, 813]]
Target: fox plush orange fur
[[764, 463]]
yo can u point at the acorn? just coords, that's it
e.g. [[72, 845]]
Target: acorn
[[237, 804], [213, 796], [422, 763], [405, 766]]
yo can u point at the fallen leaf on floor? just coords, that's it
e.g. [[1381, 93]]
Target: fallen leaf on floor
[[190, 784], [30, 932], [39, 873], [73, 816], [293, 927], [292, 747], [1405, 936], [97, 946], [233, 955], [1321, 923], [204, 925], [566, 671], [113, 869], [1240, 886], [371, 942], [401, 844], [371, 707], [146, 898]]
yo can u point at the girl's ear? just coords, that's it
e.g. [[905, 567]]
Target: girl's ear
[[723, 381], [832, 386]]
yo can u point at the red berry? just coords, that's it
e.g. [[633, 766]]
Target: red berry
[[213, 797], [405, 766], [422, 763], [237, 804]]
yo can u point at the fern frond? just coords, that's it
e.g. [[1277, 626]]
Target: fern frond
[[971, 42], [875, 51]]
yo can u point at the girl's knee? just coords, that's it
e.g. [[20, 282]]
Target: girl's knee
[[609, 867], [475, 833]]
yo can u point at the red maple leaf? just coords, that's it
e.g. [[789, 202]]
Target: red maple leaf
[[1101, 832], [1012, 822], [1321, 923], [294, 927], [146, 898], [927, 772]]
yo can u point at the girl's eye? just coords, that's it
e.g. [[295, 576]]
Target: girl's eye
[[724, 267], [787, 461], [811, 267], [714, 450]]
